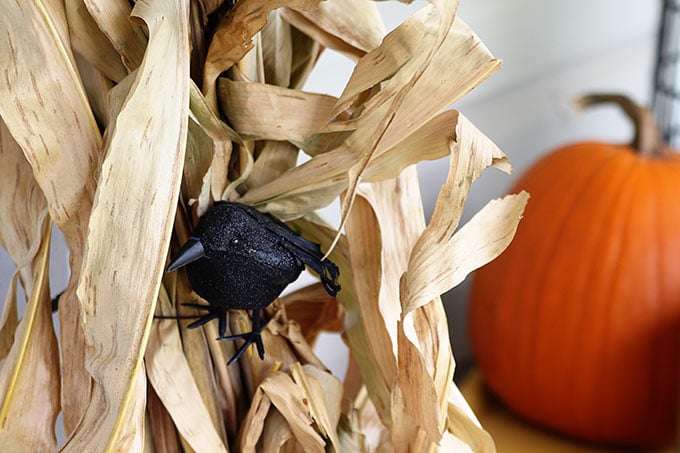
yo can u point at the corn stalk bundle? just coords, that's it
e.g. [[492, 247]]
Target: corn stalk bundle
[[123, 121]]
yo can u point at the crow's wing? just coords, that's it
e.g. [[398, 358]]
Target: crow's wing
[[306, 251]]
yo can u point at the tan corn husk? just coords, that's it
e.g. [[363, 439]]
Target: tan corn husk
[[113, 117]]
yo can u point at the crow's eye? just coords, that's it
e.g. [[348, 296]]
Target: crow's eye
[[235, 241]]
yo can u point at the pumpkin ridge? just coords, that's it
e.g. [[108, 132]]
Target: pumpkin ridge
[[498, 327], [601, 348], [582, 338], [656, 379], [526, 348], [574, 199]]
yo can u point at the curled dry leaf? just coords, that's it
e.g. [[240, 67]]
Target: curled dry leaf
[[462, 424], [471, 153], [289, 399], [315, 311], [233, 38], [351, 27], [477, 243], [323, 392]]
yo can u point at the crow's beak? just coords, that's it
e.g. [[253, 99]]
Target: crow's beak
[[190, 251]]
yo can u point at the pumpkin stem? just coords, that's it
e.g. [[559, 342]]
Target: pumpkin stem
[[647, 139]]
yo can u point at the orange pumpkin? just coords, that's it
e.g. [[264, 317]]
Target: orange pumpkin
[[576, 326]]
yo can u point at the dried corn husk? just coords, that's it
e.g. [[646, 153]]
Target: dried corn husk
[[123, 136]]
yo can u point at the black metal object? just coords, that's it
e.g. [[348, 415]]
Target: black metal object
[[666, 101], [240, 258]]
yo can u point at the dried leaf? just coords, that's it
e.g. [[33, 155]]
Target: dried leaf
[[277, 50], [169, 373], [418, 393], [262, 112], [125, 259], [22, 210], [306, 53], [222, 137], [276, 433], [461, 425], [113, 19], [376, 356], [412, 416], [472, 152], [273, 159], [481, 240], [200, 150], [58, 134], [389, 118], [88, 40], [233, 38], [97, 87], [163, 431], [289, 399], [315, 311], [197, 351], [10, 319], [351, 27], [22, 203], [27, 417], [253, 422], [324, 394]]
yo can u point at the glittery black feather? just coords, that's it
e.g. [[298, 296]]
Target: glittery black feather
[[244, 261]]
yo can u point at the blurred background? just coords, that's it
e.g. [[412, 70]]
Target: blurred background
[[552, 52]]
